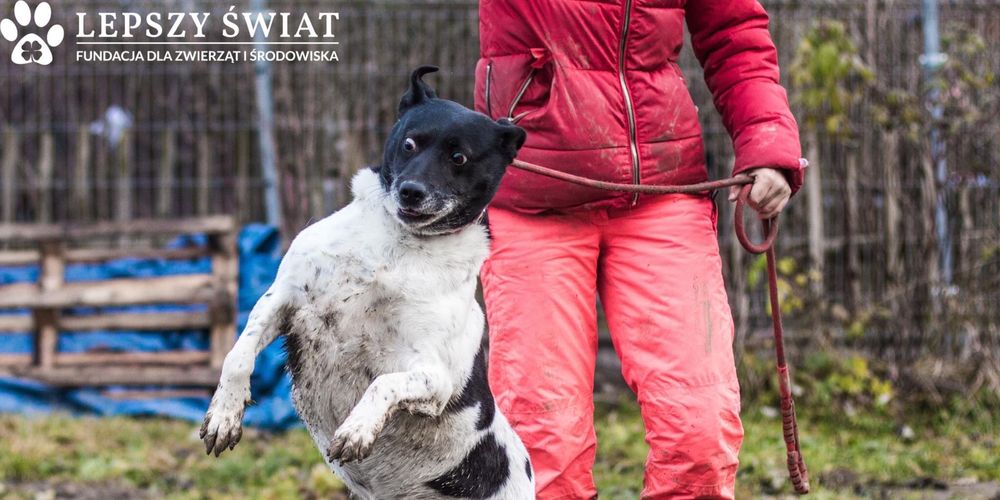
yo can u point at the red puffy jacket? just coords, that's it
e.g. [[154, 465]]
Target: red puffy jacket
[[597, 87]]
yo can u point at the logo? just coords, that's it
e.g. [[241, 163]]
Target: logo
[[30, 47]]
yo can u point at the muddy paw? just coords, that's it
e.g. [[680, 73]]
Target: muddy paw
[[223, 426], [349, 444]]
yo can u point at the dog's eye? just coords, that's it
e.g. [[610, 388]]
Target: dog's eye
[[459, 159], [410, 144]]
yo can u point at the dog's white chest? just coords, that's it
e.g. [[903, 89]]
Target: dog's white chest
[[367, 297]]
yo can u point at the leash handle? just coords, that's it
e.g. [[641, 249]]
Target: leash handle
[[770, 225]]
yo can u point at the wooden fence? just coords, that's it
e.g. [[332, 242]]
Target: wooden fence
[[861, 236], [100, 182], [52, 247]]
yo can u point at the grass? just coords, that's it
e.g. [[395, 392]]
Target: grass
[[860, 455], [847, 456]]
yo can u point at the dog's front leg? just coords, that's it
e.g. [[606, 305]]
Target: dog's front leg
[[223, 425], [424, 392]]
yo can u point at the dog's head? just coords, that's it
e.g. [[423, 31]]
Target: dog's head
[[443, 162]]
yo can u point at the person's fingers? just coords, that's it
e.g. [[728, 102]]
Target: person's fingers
[[734, 193], [771, 199], [775, 205], [759, 193], [781, 205], [769, 210]]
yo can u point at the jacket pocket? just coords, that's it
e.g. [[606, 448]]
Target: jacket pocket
[[516, 86]]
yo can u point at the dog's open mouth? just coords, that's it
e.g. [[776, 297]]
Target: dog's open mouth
[[411, 216]]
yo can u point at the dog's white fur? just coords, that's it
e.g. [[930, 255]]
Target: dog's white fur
[[383, 320]]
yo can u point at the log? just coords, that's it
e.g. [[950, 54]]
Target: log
[[16, 323], [132, 395], [186, 320], [36, 232], [225, 269], [28, 257], [50, 280], [168, 321], [8, 360], [131, 358], [184, 289], [126, 375]]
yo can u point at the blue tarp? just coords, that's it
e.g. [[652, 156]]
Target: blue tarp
[[260, 252]]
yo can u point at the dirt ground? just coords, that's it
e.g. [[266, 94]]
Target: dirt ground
[[922, 490]]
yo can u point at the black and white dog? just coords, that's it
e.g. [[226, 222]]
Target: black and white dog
[[377, 306]]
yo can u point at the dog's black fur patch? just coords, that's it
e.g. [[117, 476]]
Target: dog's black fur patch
[[527, 467], [295, 351], [476, 390], [421, 151], [480, 474]]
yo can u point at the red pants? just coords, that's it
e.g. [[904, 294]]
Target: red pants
[[658, 272]]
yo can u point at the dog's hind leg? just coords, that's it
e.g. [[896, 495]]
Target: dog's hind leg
[[223, 424], [424, 392]]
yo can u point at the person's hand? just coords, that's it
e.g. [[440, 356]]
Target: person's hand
[[769, 194]]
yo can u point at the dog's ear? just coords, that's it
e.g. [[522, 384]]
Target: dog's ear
[[418, 91], [512, 137]]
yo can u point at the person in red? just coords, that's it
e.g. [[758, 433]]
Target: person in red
[[597, 87]]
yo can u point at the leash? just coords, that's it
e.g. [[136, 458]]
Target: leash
[[796, 465]]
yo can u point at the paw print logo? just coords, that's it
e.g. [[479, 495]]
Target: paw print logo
[[30, 47]]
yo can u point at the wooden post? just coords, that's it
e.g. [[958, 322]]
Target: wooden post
[[893, 221], [315, 175], [165, 195], [242, 183], [225, 269], [852, 228], [82, 183], [814, 210], [101, 179], [45, 172], [124, 180], [928, 203], [204, 173], [966, 259], [47, 320], [8, 174]]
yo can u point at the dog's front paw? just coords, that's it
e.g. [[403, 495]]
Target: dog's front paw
[[223, 426], [350, 443]]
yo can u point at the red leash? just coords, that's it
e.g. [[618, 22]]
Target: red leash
[[796, 466]]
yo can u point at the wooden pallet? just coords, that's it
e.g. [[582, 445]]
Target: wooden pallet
[[54, 246]]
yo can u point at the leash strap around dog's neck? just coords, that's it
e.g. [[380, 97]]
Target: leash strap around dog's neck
[[796, 465]]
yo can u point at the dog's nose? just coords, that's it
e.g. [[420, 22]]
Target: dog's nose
[[412, 193]]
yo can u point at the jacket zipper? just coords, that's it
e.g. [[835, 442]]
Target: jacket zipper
[[630, 112], [489, 81]]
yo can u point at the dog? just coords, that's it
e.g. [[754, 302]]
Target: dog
[[384, 336]]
